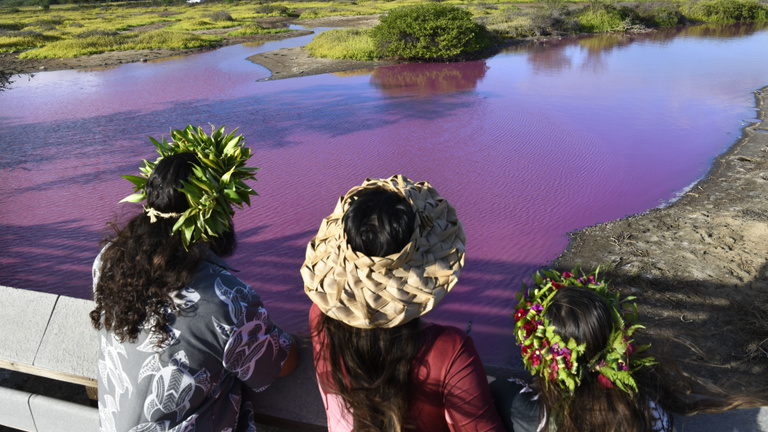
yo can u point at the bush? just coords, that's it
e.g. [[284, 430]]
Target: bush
[[602, 18], [660, 15], [728, 11], [354, 44], [431, 32]]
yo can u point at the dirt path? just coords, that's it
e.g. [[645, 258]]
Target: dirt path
[[700, 266]]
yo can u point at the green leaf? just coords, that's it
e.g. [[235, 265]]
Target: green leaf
[[137, 197]]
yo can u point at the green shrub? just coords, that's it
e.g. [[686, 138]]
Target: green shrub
[[354, 44], [598, 19], [660, 15], [431, 32], [728, 11], [255, 29]]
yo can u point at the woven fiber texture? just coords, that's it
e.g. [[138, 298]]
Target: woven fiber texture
[[367, 291]]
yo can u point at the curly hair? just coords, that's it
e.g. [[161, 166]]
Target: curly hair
[[143, 264]]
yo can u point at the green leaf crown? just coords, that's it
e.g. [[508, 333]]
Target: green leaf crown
[[216, 184], [547, 355]]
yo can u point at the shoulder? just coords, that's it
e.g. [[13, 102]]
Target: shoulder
[[446, 335], [448, 343], [214, 276]]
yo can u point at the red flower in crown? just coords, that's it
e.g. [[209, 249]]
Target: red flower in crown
[[604, 381]]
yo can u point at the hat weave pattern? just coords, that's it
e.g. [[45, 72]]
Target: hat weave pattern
[[383, 292]]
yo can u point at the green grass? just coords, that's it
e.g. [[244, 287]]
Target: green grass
[[353, 44], [61, 29], [203, 24], [121, 42], [24, 39], [255, 29]]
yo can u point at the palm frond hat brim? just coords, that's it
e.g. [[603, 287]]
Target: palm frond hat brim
[[383, 292]]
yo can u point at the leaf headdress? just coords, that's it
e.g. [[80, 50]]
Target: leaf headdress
[[216, 184], [547, 355]]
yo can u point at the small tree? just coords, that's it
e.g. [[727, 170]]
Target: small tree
[[431, 32]]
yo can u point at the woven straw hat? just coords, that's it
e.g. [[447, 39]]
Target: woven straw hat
[[367, 291]]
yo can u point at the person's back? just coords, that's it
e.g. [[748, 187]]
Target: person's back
[[180, 337], [390, 251], [576, 338]]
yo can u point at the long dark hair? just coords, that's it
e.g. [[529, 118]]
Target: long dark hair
[[370, 368], [144, 263], [583, 315]]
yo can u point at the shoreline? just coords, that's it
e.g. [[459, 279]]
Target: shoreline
[[698, 267]]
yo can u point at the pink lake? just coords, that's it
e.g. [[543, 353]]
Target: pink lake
[[528, 145]]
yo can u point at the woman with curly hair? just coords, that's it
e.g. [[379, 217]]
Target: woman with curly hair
[[182, 340], [386, 256]]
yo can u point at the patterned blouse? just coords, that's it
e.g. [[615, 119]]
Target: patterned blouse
[[221, 339]]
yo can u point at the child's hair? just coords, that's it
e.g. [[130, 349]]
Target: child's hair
[[370, 368], [583, 315]]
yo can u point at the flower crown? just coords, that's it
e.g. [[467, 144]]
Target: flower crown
[[216, 184], [546, 354]]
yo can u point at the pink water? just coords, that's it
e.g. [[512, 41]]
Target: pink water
[[528, 146]]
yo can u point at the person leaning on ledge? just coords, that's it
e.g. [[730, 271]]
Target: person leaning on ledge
[[183, 341]]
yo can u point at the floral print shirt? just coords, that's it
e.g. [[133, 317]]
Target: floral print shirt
[[221, 339]]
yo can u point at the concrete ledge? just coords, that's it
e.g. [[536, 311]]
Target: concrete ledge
[[14, 410], [54, 415], [70, 343], [24, 321]]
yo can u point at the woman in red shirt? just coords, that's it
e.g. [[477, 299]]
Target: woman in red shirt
[[388, 254]]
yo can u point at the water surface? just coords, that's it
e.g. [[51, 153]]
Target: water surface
[[528, 146]]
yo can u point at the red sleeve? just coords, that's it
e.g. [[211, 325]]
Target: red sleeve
[[468, 402]]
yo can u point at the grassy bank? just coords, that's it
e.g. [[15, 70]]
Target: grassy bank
[[67, 30], [558, 17]]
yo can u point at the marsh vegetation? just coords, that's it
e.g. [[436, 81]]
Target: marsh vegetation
[[409, 29]]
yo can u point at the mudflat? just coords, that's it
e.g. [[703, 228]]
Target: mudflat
[[699, 267]]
